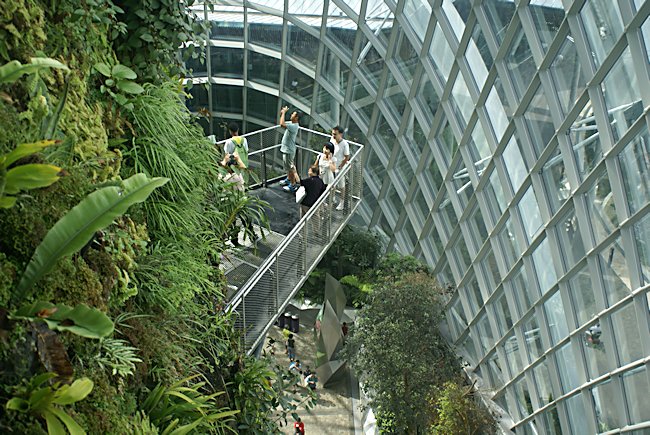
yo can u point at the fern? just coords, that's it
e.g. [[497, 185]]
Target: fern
[[117, 356]]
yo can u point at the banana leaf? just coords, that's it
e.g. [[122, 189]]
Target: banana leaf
[[81, 320], [77, 227]]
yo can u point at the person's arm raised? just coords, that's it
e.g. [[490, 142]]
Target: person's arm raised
[[283, 112]]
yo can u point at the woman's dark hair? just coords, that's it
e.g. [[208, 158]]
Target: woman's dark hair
[[329, 146], [233, 127]]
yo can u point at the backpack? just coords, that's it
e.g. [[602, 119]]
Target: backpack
[[240, 149]]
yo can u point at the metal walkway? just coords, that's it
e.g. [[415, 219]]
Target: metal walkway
[[264, 277]]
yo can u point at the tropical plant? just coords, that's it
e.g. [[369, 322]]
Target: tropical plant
[[460, 412], [46, 402], [119, 83], [81, 320], [154, 31], [398, 352], [27, 176], [13, 70], [78, 226], [117, 356], [183, 407]]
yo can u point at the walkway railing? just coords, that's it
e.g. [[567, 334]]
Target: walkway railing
[[270, 286]]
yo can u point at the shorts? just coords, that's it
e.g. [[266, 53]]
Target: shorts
[[288, 161]]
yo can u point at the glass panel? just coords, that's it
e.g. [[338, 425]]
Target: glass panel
[[371, 64], [557, 185], [514, 163], [440, 54], [520, 62], [264, 29], [547, 19], [341, 29], [463, 260], [464, 104], [197, 65], [567, 368], [431, 175], [642, 233], [635, 166], [543, 260], [585, 140], [603, 25], [504, 316], [509, 244], [495, 196], [602, 212], [362, 101], [570, 240], [522, 398], [485, 333], [298, 85], [622, 98], [230, 24], [582, 295], [227, 62], [310, 12], [576, 411], [496, 105], [636, 393], [530, 213], [478, 57], [263, 69], [428, 97], [327, 106], [499, 14], [335, 71], [543, 384], [533, 338], [394, 97], [447, 214], [540, 124], [302, 45], [462, 184], [627, 334], [227, 99], [405, 57], [608, 414], [567, 74], [524, 294], [614, 271], [417, 14], [263, 106], [489, 266], [415, 138], [379, 16], [447, 140], [556, 318], [511, 350]]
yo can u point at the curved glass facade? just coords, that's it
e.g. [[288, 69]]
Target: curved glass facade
[[508, 148]]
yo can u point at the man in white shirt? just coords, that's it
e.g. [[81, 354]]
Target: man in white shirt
[[288, 147], [341, 156]]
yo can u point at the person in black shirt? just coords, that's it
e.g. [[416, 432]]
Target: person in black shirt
[[314, 188]]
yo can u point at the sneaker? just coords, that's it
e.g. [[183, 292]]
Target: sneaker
[[284, 182], [290, 188], [340, 206]]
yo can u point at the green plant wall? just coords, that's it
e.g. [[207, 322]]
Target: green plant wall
[[109, 268]]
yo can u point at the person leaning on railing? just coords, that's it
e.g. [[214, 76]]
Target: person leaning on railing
[[314, 188]]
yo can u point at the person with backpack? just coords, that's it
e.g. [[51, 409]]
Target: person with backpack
[[236, 144], [299, 427]]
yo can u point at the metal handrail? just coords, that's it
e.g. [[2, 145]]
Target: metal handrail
[[273, 260]]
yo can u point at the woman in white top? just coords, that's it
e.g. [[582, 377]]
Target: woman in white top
[[327, 163]]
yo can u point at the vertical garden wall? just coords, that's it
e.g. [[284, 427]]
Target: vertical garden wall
[[112, 221]]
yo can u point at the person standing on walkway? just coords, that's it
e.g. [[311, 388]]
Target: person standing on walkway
[[342, 156], [299, 427], [288, 147], [326, 163], [236, 143], [291, 347]]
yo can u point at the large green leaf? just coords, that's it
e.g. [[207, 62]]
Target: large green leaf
[[123, 72], [69, 422], [24, 150], [31, 176], [129, 87], [81, 320], [69, 394], [78, 226], [12, 71]]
